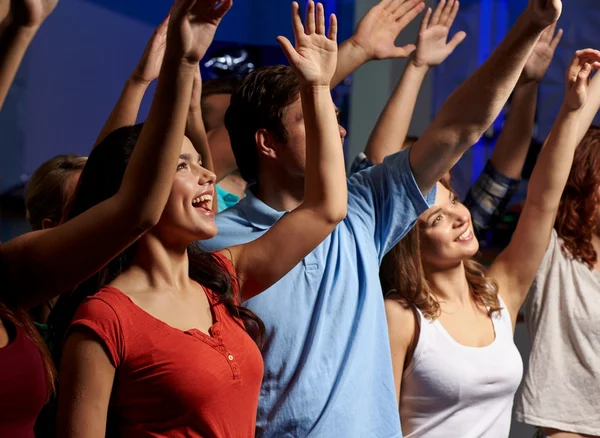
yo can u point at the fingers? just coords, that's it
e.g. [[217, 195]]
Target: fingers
[[220, 11], [457, 39], [403, 20], [582, 78], [406, 12], [320, 19], [453, 14], [333, 27], [288, 50], [435, 19], [297, 25], [310, 18], [556, 40], [404, 51], [446, 12], [181, 8], [425, 21]]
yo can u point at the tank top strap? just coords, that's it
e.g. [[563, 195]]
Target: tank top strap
[[502, 321]]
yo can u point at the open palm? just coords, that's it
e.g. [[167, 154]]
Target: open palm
[[193, 25], [377, 31], [31, 13], [314, 58], [433, 46], [539, 61]]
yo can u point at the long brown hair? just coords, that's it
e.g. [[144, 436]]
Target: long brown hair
[[101, 179], [403, 277], [576, 217], [20, 318]]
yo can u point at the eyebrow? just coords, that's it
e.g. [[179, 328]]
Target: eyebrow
[[436, 211], [188, 157]]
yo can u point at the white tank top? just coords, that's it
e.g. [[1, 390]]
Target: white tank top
[[451, 390]]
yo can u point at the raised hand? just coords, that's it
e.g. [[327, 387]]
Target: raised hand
[[31, 13], [148, 67], [539, 61], [578, 77], [315, 56], [544, 12], [432, 45], [193, 25], [376, 33]]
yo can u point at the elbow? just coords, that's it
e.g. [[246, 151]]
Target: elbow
[[335, 213]]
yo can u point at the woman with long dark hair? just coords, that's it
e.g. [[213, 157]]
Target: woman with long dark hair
[[40, 265], [451, 323], [158, 344], [561, 389]]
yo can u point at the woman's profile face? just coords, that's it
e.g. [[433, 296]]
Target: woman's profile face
[[446, 232], [188, 215]]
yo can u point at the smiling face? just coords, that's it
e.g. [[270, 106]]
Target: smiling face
[[446, 232], [188, 215]]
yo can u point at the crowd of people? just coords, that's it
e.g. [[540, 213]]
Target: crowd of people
[[213, 272]]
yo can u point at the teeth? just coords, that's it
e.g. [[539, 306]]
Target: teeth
[[201, 199], [465, 234]]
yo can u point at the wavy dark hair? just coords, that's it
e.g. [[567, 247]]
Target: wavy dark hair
[[100, 180], [576, 217], [403, 277]]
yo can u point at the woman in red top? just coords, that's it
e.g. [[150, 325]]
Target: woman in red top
[[38, 266], [164, 350]]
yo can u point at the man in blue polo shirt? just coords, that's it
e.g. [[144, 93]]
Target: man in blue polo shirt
[[327, 358]]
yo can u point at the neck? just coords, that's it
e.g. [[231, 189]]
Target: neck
[[234, 183], [449, 285], [164, 266], [280, 191]]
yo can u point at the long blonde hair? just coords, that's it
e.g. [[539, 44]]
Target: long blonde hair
[[403, 277]]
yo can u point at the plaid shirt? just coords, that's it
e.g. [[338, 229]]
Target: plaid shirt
[[486, 200], [488, 197]]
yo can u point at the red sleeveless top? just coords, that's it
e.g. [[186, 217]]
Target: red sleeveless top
[[23, 386]]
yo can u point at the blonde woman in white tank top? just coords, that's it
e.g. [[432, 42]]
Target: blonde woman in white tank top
[[451, 326]]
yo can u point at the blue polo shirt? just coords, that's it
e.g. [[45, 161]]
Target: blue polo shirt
[[328, 370]]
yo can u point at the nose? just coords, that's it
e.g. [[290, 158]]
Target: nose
[[343, 132], [461, 218], [206, 177]]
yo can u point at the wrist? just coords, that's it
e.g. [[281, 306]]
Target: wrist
[[569, 109], [533, 21], [358, 50], [137, 81], [416, 65], [14, 30]]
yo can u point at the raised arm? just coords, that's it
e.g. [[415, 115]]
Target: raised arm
[[16, 33], [196, 131], [511, 150], [472, 108], [126, 110], [491, 193], [40, 265], [516, 266], [375, 36], [433, 48], [264, 261], [591, 108]]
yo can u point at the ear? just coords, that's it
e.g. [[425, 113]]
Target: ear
[[265, 144], [48, 223]]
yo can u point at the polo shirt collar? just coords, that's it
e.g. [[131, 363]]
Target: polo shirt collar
[[259, 214]]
